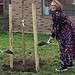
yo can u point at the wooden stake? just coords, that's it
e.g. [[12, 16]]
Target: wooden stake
[[10, 35], [35, 35], [23, 42], [23, 38]]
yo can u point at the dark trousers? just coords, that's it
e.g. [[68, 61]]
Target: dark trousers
[[66, 56]]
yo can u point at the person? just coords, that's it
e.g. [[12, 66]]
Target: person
[[63, 31]]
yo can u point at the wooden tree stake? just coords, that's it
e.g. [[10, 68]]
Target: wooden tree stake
[[35, 35], [10, 35]]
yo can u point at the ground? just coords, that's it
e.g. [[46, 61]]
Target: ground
[[48, 55]]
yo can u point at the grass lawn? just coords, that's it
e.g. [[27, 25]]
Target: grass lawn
[[49, 54]]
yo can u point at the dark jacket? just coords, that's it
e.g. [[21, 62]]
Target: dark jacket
[[63, 29]]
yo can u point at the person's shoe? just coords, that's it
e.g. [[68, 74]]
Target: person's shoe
[[61, 69], [70, 66]]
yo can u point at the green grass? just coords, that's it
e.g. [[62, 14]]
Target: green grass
[[48, 54]]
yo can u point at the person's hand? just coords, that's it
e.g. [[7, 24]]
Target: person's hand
[[49, 40]]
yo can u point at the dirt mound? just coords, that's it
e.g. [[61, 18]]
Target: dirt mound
[[28, 66]]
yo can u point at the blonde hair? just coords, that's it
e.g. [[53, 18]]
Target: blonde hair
[[57, 4]]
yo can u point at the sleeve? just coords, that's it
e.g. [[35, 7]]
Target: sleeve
[[56, 23]]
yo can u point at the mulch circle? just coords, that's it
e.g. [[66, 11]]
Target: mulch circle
[[28, 66]]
